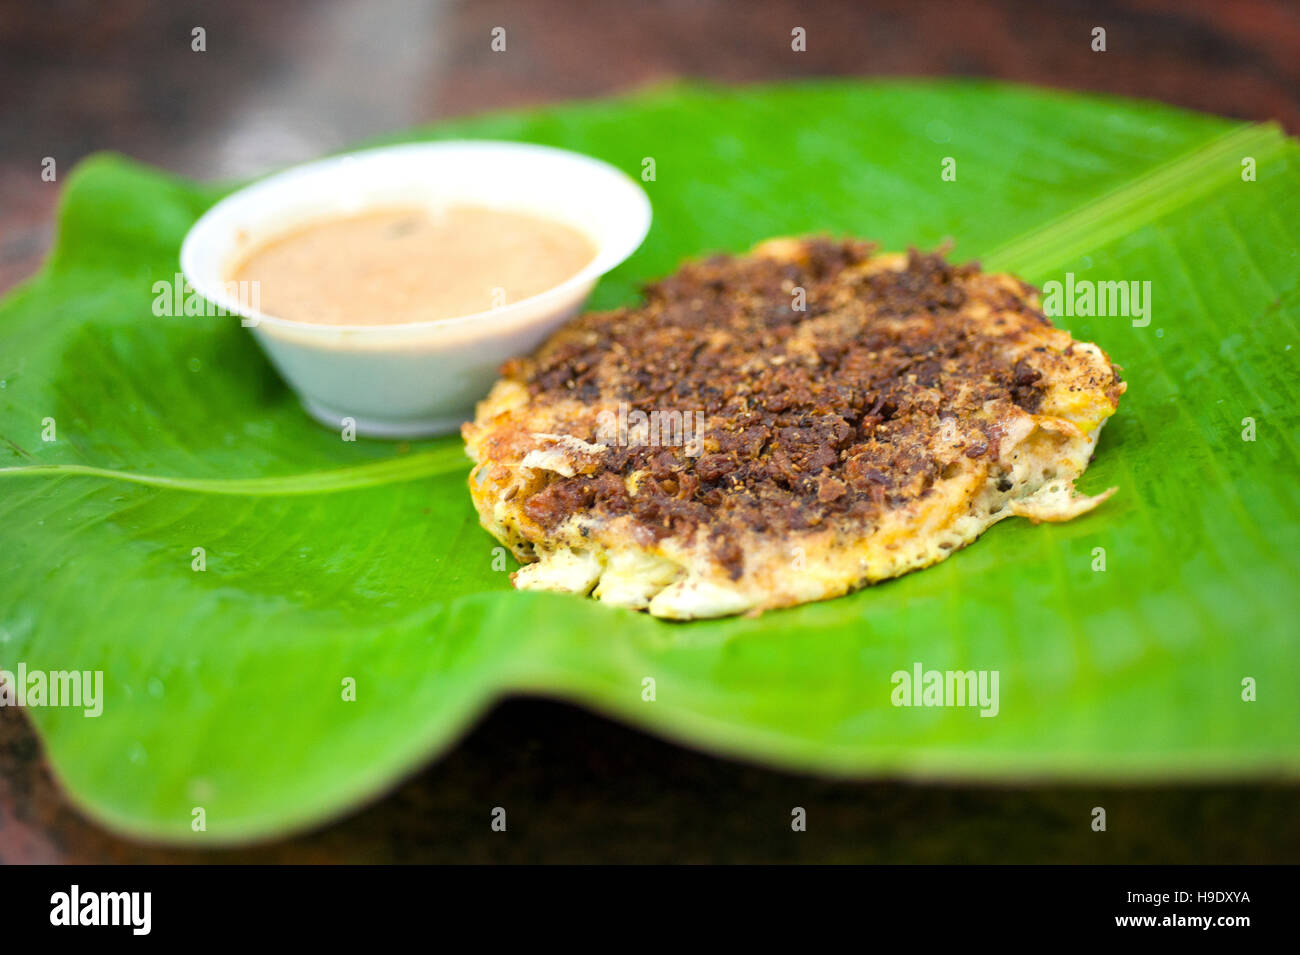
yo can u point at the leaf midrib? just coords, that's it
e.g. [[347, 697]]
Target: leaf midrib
[[1140, 201], [445, 460]]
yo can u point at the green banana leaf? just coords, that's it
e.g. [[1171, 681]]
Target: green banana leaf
[[330, 561]]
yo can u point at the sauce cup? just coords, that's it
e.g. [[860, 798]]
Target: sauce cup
[[414, 379]]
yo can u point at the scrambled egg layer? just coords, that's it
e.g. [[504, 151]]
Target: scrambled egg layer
[[910, 406]]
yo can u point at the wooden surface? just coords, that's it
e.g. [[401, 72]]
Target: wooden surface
[[286, 81]]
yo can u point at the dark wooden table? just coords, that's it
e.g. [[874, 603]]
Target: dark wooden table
[[280, 83]]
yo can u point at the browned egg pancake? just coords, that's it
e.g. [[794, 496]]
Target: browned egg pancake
[[785, 426]]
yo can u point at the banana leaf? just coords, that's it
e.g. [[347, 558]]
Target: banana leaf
[[1152, 639]]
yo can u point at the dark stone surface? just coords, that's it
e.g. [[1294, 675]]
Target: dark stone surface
[[579, 788], [285, 81]]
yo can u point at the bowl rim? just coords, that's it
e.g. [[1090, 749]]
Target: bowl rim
[[608, 255]]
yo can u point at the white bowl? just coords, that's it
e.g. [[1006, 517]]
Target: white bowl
[[418, 378]]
